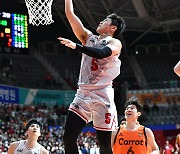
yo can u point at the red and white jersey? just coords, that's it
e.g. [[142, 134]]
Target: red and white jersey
[[21, 148], [98, 73]]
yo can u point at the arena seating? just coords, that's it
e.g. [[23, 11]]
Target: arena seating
[[157, 66], [27, 71]]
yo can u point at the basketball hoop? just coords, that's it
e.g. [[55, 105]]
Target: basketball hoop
[[39, 12]]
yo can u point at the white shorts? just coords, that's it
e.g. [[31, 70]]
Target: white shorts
[[97, 106]]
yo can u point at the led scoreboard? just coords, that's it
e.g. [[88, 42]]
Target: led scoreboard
[[13, 30]]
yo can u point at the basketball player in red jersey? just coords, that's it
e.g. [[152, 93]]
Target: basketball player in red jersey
[[94, 100]]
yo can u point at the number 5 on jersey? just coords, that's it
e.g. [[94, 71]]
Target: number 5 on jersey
[[94, 64], [107, 118]]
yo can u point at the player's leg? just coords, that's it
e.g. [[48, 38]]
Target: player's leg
[[104, 122], [73, 127], [104, 118], [104, 139]]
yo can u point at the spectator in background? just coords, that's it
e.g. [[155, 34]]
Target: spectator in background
[[94, 149], [168, 148], [155, 108], [169, 107], [79, 149], [48, 79], [86, 149], [146, 108], [174, 107], [177, 69], [2, 147]]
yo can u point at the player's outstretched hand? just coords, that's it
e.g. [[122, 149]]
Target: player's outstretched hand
[[67, 42]]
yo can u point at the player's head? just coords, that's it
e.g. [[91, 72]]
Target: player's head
[[32, 121], [134, 101], [112, 25], [118, 22], [33, 128], [133, 108]]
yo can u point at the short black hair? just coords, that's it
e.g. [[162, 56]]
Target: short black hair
[[136, 102], [119, 22], [32, 121]]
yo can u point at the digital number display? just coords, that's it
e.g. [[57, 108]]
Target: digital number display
[[13, 30]]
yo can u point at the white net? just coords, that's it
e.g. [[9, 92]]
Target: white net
[[39, 12]]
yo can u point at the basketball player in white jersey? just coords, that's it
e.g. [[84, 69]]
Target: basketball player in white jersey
[[30, 145], [177, 69], [94, 100]]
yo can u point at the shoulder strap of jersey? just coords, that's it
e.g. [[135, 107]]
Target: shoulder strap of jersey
[[144, 129], [117, 134]]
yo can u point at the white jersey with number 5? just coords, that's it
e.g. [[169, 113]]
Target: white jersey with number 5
[[98, 73]]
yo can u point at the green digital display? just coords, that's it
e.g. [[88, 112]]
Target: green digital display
[[13, 30]]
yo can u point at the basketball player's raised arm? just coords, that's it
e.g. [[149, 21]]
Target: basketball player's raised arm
[[151, 142], [79, 30], [177, 69], [12, 147]]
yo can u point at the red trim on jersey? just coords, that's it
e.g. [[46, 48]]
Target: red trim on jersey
[[100, 128], [79, 114]]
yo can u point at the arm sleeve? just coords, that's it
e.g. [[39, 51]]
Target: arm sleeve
[[95, 52]]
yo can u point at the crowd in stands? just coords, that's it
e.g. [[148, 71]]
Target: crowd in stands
[[13, 119]]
